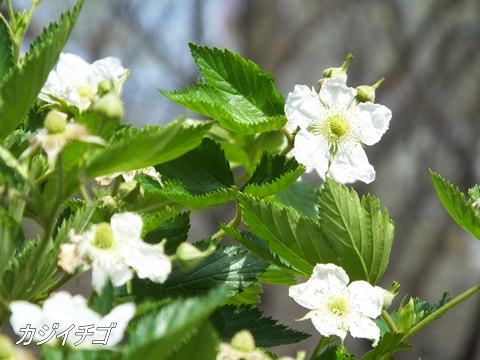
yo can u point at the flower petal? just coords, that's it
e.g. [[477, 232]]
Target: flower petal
[[334, 94], [127, 227], [105, 267], [329, 325], [329, 276], [121, 316], [351, 165], [148, 261], [367, 299], [363, 327], [374, 121], [302, 107], [311, 151]]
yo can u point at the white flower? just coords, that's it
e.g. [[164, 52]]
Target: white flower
[[337, 308], [334, 128], [66, 310], [129, 175], [57, 134], [111, 249], [76, 82]]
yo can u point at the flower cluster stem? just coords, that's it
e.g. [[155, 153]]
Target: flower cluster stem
[[290, 141], [234, 224], [389, 321]]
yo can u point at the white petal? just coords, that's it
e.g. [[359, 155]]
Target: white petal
[[367, 299], [104, 267], [121, 315], [351, 165], [24, 313], [109, 68], [363, 327], [329, 276], [374, 121], [302, 107], [334, 94], [126, 227], [329, 325], [71, 69], [304, 294], [311, 151], [148, 261]]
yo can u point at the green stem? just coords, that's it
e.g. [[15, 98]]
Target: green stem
[[290, 141], [234, 224], [56, 285], [442, 310], [322, 342], [389, 321]]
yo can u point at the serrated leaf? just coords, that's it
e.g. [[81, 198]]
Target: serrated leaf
[[6, 49], [302, 196], [272, 175], [266, 332], [454, 202], [249, 295], [296, 239], [177, 192], [20, 87], [359, 233], [387, 346], [201, 170], [174, 230], [201, 346], [229, 265], [150, 146], [237, 93], [157, 335]]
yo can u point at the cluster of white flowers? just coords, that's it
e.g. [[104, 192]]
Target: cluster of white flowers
[[338, 308], [333, 128], [112, 249]]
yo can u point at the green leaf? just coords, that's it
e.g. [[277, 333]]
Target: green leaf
[[177, 192], [62, 353], [229, 265], [387, 346], [201, 346], [454, 202], [266, 332], [296, 239], [360, 234], [20, 87], [237, 93], [336, 352], [201, 170], [157, 335], [272, 175], [6, 49], [302, 196], [150, 146], [174, 230]]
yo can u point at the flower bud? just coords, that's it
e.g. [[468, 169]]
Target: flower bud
[[406, 316], [334, 71], [131, 191], [243, 341], [388, 296], [105, 86], [367, 93], [189, 256], [55, 122], [109, 107]]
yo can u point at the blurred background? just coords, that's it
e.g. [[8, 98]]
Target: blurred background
[[429, 53]]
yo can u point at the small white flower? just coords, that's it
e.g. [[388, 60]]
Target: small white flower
[[57, 134], [111, 249], [76, 82], [337, 308], [66, 310], [334, 128], [129, 175]]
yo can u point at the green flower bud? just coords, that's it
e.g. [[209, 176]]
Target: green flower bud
[[243, 341], [105, 86], [131, 191], [406, 316], [334, 71], [109, 107], [388, 296], [55, 122], [367, 93], [189, 256]]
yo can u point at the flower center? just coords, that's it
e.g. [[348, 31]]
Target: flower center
[[338, 306], [54, 123], [103, 236], [336, 127], [84, 91]]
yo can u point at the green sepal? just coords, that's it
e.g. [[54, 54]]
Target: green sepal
[[461, 210], [230, 319], [21, 85], [153, 145], [359, 232], [272, 175], [237, 93]]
